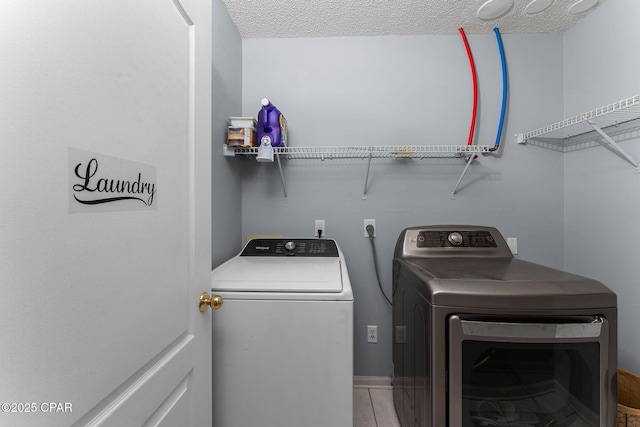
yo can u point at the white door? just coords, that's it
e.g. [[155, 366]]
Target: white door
[[105, 199]]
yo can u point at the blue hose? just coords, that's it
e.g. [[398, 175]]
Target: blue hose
[[504, 90]]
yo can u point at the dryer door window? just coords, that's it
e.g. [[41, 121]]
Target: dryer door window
[[539, 378]]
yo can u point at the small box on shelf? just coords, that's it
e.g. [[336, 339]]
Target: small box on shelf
[[241, 132]]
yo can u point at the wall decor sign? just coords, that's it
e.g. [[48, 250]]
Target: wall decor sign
[[104, 183]]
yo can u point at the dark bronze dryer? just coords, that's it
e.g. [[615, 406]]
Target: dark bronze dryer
[[484, 339]]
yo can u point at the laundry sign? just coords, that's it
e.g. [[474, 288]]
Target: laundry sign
[[104, 183]]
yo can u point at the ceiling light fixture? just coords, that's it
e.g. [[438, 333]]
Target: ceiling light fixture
[[494, 9], [582, 6], [537, 6]]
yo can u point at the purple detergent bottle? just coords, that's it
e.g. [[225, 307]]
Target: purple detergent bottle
[[272, 126]]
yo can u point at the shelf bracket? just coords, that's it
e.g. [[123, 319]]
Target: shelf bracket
[[284, 185], [613, 144], [464, 171], [366, 179]]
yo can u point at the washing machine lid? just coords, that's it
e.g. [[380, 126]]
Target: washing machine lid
[[279, 274], [285, 266]]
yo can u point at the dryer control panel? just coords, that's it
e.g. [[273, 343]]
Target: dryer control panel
[[291, 247], [443, 239], [452, 241]]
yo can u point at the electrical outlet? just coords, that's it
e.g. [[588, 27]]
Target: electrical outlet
[[369, 222], [319, 227], [372, 334]]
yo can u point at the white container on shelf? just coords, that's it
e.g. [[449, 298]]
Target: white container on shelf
[[242, 122]]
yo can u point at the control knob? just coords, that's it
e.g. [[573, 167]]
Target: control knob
[[290, 245], [455, 238]]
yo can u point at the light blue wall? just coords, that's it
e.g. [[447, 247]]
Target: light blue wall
[[225, 175], [404, 90], [602, 190]]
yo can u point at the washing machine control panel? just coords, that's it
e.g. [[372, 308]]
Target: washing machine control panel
[[291, 247]]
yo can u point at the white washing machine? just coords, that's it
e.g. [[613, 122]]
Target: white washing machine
[[283, 339]]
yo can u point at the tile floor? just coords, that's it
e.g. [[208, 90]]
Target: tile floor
[[373, 403]]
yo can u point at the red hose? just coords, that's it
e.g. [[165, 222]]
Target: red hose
[[475, 86]]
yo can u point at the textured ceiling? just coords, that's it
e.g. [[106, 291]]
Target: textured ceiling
[[328, 18]]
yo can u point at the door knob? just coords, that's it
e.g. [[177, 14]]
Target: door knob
[[214, 302]]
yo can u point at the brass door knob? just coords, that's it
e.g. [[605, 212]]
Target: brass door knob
[[206, 301]]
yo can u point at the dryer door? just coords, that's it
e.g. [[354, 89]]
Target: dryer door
[[530, 373]]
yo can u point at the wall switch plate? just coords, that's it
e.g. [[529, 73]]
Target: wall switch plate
[[319, 225], [369, 222], [512, 242], [372, 334]]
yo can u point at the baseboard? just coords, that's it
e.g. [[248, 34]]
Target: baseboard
[[372, 382]]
